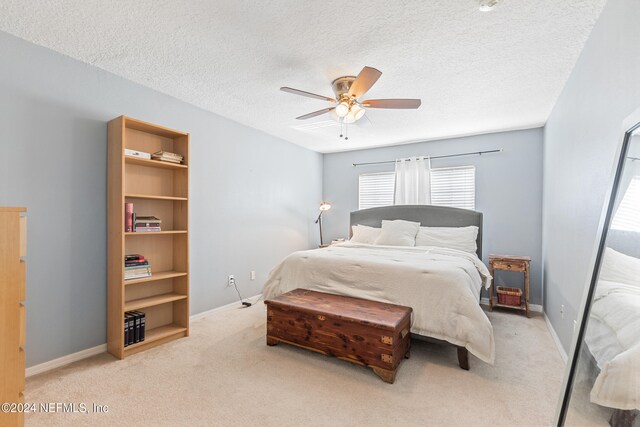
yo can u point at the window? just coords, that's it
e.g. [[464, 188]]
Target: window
[[455, 187], [627, 217], [376, 189]]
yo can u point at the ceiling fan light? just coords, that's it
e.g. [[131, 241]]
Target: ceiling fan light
[[357, 112], [349, 118], [342, 109]]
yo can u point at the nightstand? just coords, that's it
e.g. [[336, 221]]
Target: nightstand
[[521, 264]]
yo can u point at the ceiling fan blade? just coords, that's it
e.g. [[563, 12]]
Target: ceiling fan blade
[[315, 113], [367, 78], [305, 93], [392, 103]]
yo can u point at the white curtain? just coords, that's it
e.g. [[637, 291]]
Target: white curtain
[[413, 181]]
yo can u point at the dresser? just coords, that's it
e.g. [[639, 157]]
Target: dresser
[[13, 249]]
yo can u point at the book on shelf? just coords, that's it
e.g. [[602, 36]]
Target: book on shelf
[[148, 218], [147, 224], [136, 266], [135, 153], [134, 327], [166, 156], [138, 263], [128, 217], [129, 328], [147, 229], [137, 269], [142, 324]]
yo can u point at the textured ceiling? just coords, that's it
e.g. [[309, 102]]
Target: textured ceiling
[[475, 72]]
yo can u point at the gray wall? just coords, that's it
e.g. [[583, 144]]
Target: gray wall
[[508, 189], [580, 141], [253, 200]]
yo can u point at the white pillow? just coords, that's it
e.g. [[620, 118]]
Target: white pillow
[[461, 238], [364, 234], [398, 233], [620, 268]]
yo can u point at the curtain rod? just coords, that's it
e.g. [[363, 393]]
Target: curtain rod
[[476, 153]]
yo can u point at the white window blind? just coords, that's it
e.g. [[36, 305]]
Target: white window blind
[[376, 189], [455, 187], [627, 217]]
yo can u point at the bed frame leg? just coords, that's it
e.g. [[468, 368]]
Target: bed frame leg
[[463, 358]]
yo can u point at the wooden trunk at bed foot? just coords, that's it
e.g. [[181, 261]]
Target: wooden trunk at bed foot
[[387, 375], [380, 349], [622, 418], [463, 358]]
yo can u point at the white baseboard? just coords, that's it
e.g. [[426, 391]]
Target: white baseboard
[[533, 307], [556, 339], [230, 306], [65, 360], [102, 348]]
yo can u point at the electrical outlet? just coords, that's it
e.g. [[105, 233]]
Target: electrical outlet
[[231, 281], [562, 310], [252, 275]]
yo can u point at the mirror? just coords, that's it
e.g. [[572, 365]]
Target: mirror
[[602, 385]]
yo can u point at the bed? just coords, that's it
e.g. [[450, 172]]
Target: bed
[[613, 333], [441, 285]]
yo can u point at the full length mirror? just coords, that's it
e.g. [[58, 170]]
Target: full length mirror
[[603, 383]]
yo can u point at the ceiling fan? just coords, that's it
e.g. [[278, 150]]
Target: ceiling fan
[[348, 91]]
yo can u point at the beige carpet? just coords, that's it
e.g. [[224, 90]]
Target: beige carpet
[[224, 374]]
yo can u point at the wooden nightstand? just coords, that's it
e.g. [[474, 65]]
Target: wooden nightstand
[[519, 264]]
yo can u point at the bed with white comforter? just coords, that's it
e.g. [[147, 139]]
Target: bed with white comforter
[[441, 285], [613, 337]]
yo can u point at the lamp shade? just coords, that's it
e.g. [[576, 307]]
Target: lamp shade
[[342, 109], [357, 111], [324, 206], [349, 118]]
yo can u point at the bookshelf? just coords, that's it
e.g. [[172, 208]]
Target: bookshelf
[[155, 188]]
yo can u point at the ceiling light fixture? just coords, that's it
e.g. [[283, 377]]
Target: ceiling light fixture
[[487, 5], [357, 111], [342, 109], [349, 118]]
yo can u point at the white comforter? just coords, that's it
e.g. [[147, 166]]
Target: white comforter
[[441, 285], [616, 310]]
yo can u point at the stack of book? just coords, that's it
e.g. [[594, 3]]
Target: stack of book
[[166, 156], [136, 267], [134, 325], [145, 224]]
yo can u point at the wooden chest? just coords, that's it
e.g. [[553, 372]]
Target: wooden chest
[[369, 333]]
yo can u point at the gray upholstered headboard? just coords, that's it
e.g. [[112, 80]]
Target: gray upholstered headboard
[[427, 216]]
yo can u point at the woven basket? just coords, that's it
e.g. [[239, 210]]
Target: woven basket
[[509, 296]]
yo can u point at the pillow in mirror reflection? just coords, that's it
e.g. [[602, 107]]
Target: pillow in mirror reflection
[[620, 268]]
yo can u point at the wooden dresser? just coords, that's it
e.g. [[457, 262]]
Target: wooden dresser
[[13, 245]]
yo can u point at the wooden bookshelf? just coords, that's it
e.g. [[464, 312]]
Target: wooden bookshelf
[[155, 188]]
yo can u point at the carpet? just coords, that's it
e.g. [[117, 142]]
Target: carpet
[[224, 374]]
